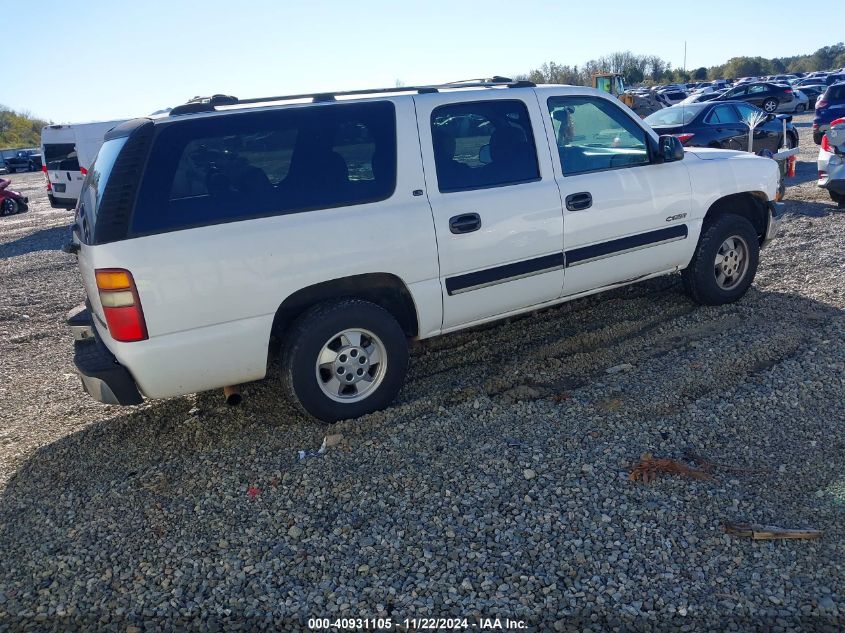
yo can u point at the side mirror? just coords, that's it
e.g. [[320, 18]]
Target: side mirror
[[484, 155], [671, 149]]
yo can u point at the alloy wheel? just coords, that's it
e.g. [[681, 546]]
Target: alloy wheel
[[351, 365], [731, 262]]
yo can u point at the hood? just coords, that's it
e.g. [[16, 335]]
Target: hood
[[708, 153]]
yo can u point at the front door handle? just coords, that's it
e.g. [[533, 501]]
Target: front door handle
[[464, 223], [579, 201]]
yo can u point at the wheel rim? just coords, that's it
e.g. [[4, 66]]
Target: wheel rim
[[351, 365], [770, 106], [731, 262]]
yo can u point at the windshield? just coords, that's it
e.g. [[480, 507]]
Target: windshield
[[674, 115], [93, 187]]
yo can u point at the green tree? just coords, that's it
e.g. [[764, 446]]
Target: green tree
[[700, 74], [19, 129]]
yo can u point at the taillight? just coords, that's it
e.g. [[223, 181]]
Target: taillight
[[788, 91], [121, 305], [825, 143], [47, 177], [683, 138], [83, 171]]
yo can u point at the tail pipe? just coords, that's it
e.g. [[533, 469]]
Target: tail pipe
[[233, 396]]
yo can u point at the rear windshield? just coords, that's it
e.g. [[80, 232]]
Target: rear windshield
[[674, 116], [220, 169], [836, 93], [93, 187], [61, 156]]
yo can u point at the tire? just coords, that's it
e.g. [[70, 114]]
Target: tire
[[322, 332], [770, 105], [700, 277], [30, 167], [817, 137], [10, 207], [838, 198], [800, 108]]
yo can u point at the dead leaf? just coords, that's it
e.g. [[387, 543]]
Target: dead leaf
[[648, 468]]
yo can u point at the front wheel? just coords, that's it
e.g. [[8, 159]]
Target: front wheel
[[343, 359], [770, 105], [725, 261], [10, 207]]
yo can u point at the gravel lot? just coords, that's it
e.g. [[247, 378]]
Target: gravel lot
[[497, 486]]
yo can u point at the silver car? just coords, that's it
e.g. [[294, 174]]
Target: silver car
[[801, 103], [832, 162]]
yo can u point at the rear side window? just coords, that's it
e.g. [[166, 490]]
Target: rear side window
[[723, 114], [483, 144], [221, 169], [836, 93], [94, 187]]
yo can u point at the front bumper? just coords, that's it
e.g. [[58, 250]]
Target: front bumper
[[102, 376], [776, 211]]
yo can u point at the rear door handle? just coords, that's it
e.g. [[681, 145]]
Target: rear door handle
[[579, 201], [464, 223]]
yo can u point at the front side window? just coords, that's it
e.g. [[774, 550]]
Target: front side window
[[593, 134], [220, 169], [483, 144], [754, 90]]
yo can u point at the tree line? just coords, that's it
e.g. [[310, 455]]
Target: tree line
[[652, 69], [19, 129]]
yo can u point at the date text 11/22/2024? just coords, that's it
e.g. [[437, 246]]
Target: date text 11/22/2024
[[416, 624]]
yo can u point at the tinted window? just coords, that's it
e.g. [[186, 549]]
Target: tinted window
[[747, 111], [483, 144], [94, 185], [56, 152], [836, 93], [220, 169], [723, 114], [593, 134], [757, 89]]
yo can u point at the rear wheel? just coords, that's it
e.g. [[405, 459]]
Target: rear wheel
[[838, 198], [770, 105], [801, 107], [725, 261], [343, 359], [817, 137]]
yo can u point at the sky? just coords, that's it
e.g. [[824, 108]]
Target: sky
[[110, 59]]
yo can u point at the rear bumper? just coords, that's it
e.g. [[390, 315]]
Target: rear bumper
[[102, 376], [61, 203], [776, 211]]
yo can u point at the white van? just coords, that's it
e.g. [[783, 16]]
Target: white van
[[68, 151]]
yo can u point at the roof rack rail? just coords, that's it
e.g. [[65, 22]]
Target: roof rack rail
[[207, 104]]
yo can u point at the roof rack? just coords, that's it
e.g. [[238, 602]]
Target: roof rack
[[208, 104]]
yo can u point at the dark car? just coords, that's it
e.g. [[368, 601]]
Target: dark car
[[767, 96], [723, 125], [24, 160], [813, 92], [829, 106]]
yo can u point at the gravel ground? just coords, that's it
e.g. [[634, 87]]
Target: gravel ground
[[496, 486]]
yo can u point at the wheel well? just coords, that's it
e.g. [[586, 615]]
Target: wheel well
[[750, 205], [383, 289]]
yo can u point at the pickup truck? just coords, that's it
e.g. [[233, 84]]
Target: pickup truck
[[24, 160], [325, 231]]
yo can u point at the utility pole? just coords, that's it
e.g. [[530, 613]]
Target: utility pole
[[685, 57]]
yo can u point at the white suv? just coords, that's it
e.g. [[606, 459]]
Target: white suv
[[341, 225]]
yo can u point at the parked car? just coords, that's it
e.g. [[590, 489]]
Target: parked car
[[24, 160], [767, 96], [722, 125], [831, 162], [829, 106], [699, 97], [671, 97], [434, 211], [832, 78], [11, 202], [813, 92], [800, 104]]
